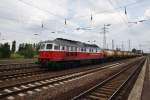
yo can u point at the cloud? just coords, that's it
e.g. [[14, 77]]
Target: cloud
[[21, 19], [147, 13]]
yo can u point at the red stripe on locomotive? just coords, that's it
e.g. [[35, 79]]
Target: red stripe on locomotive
[[64, 54]]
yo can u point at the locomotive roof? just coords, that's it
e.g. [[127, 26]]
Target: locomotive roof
[[62, 41], [78, 43], [91, 45]]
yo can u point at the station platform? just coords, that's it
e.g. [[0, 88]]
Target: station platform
[[146, 86], [141, 89]]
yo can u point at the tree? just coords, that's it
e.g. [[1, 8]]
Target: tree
[[36, 48], [29, 51], [5, 50], [134, 50], [26, 50], [13, 46], [1, 51], [21, 49]]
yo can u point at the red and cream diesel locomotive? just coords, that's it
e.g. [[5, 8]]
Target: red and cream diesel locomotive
[[69, 52], [63, 51]]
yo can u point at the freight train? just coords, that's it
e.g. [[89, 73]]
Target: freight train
[[63, 52]]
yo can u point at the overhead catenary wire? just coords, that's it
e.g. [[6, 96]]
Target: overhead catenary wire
[[107, 10], [37, 7], [56, 15], [60, 17], [66, 20], [123, 19]]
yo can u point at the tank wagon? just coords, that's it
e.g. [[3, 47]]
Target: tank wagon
[[69, 52]]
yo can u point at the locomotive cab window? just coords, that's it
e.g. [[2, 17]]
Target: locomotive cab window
[[49, 46]]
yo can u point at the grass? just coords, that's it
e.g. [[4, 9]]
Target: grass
[[16, 56]]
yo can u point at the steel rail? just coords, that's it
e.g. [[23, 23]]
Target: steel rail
[[79, 74], [99, 85]]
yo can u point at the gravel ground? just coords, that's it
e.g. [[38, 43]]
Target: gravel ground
[[48, 74], [69, 89], [66, 89]]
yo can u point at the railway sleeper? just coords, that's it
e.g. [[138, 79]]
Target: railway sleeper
[[103, 92]]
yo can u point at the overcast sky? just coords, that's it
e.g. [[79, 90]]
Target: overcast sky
[[20, 20]]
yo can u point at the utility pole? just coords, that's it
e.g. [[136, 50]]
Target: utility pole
[[104, 37], [122, 46], [116, 47], [129, 45], [107, 46], [112, 44]]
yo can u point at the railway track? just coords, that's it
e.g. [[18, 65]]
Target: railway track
[[25, 72], [116, 87], [19, 89], [20, 74], [16, 66], [9, 71], [10, 61], [30, 74]]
